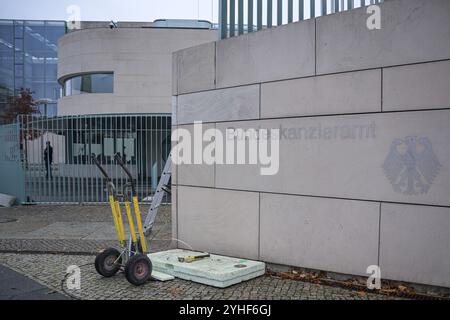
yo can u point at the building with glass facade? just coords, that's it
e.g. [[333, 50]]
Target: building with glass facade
[[29, 59], [113, 89]]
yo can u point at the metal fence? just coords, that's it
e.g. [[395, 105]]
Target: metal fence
[[254, 15], [11, 173], [69, 175]]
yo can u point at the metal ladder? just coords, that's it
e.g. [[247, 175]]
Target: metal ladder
[[162, 188]]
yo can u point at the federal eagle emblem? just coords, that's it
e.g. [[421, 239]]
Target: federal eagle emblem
[[411, 165]]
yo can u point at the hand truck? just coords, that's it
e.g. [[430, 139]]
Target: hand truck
[[132, 258]]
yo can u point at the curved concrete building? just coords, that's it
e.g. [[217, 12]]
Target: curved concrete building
[[121, 70]]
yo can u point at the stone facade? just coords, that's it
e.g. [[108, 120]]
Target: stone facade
[[140, 58], [364, 117]]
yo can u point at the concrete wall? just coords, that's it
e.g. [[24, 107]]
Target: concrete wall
[[364, 149], [141, 59]]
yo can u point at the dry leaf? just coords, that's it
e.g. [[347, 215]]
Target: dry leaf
[[402, 288], [362, 293]]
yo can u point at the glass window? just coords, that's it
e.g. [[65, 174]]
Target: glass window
[[54, 31], [52, 110], [52, 90], [75, 84], [28, 57], [6, 59], [102, 83], [18, 30], [35, 41], [89, 83]]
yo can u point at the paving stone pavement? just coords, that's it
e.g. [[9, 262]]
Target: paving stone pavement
[[22, 250], [16, 286], [50, 270], [44, 229]]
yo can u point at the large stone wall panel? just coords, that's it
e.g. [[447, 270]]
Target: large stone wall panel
[[411, 31], [219, 105], [219, 221], [414, 244], [196, 68], [318, 233], [272, 54], [399, 157], [195, 174], [352, 92], [418, 86], [174, 214]]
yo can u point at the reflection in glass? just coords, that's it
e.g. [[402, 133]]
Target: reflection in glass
[[89, 83], [28, 58]]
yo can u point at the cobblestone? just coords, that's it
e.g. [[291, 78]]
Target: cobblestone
[[22, 251], [31, 218], [50, 270], [65, 246], [17, 235]]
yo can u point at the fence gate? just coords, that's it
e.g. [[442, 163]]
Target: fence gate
[[67, 173], [11, 173]]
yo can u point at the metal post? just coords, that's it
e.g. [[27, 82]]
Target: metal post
[[81, 165], [223, 18], [290, 11], [21, 160], [70, 162], [301, 10], [148, 160], [141, 152], [79, 168], [269, 14], [137, 152], [336, 5], [89, 153], [279, 12], [58, 159], [44, 181], [324, 7], [241, 17], [118, 147], [67, 135], [259, 10], [25, 127], [90, 183], [313, 8], [232, 18], [250, 16], [55, 154]]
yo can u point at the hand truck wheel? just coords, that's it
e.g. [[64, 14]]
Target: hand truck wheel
[[108, 262], [138, 269]]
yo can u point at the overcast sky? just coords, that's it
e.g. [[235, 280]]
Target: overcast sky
[[118, 10], [122, 10]]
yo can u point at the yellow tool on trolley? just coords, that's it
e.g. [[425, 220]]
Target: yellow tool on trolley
[[190, 259], [133, 257]]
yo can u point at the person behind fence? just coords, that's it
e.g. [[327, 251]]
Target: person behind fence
[[48, 159]]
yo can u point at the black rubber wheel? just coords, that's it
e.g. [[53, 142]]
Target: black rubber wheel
[[138, 269], [104, 262]]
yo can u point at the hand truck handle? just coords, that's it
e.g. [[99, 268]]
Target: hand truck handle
[[127, 172], [94, 159]]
